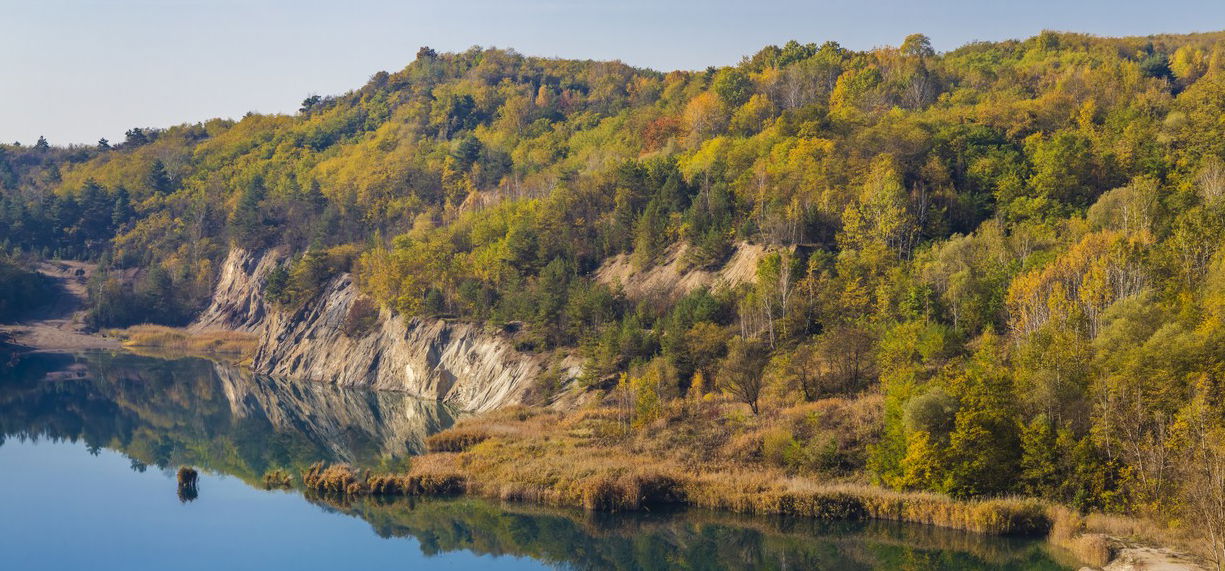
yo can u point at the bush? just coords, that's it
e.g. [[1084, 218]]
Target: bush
[[302, 279], [780, 448], [362, 317], [278, 479], [337, 479], [20, 290], [455, 440]]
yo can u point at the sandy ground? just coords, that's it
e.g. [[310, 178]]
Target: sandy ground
[[61, 326], [1150, 559]]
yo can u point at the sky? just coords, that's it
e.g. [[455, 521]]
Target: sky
[[79, 70]]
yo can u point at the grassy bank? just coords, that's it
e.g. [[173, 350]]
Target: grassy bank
[[709, 455], [234, 345]]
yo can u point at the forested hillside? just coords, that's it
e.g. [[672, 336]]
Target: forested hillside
[[1015, 243]]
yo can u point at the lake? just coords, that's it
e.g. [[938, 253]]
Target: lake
[[89, 445]]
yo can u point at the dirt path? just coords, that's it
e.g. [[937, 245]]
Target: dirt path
[[61, 325], [1152, 559]]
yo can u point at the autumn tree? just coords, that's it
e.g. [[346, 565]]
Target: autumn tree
[[740, 372]]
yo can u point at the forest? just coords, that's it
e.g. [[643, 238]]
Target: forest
[[1011, 249]]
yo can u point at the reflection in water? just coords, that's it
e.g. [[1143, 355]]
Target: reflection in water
[[197, 412], [167, 413], [689, 539], [188, 478]]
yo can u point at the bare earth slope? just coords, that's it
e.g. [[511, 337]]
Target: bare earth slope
[[61, 325], [670, 278]]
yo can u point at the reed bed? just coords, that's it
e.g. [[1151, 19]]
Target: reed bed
[[187, 476], [278, 478], [232, 343], [457, 440], [593, 460], [345, 480]]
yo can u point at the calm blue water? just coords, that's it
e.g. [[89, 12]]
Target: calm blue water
[[64, 508], [89, 445]]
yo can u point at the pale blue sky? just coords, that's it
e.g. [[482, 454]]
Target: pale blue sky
[[77, 70]]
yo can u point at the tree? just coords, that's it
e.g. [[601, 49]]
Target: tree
[[42, 144], [309, 103], [1188, 64], [704, 116], [135, 137], [1203, 474], [733, 86], [984, 451], [804, 368], [276, 286], [247, 222], [1066, 168], [740, 373], [157, 180], [918, 46], [1039, 458], [924, 464]]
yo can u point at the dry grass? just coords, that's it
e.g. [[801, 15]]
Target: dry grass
[[187, 476], [1096, 539], [708, 455], [759, 493], [345, 480], [217, 342], [278, 479], [456, 440], [337, 479], [692, 455]]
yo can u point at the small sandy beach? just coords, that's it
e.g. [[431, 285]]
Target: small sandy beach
[[61, 325]]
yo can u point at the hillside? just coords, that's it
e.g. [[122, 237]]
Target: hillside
[[1006, 256]]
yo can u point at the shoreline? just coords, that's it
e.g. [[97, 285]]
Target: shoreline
[[46, 337], [59, 326], [462, 462], [480, 458]]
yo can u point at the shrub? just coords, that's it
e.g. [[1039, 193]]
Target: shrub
[[455, 440], [187, 476], [362, 317], [20, 290], [209, 342], [780, 448], [337, 479], [277, 479]]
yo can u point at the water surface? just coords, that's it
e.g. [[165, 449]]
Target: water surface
[[89, 444]]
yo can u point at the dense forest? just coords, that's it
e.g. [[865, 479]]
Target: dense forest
[[1015, 243]]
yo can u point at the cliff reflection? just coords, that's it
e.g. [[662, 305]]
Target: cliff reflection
[[192, 412], [165, 413]]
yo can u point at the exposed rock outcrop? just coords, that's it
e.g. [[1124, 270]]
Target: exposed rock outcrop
[[335, 338], [457, 363], [670, 278], [238, 299]]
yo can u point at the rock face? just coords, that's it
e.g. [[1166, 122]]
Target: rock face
[[458, 363], [238, 299], [340, 338]]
